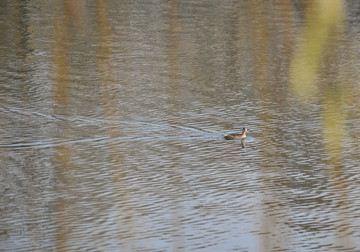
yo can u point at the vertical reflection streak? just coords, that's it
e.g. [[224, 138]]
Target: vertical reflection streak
[[124, 214], [324, 23], [174, 75], [321, 20], [264, 50], [62, 152]]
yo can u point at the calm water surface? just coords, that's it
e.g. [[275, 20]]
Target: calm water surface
[[113, 115]]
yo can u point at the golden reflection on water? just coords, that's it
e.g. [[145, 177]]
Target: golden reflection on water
[[62, 153], [322, 19], [337, 101], [324, 22]]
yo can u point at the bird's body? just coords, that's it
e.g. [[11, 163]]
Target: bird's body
[[234, 136]]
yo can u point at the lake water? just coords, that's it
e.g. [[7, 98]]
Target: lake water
[[112, 117]]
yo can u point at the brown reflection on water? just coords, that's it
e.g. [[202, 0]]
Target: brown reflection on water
[[174, 50], [62, 155], [270, 56], [76, 12], [265, 47], [174, 47], [61, 64], [112, 113]]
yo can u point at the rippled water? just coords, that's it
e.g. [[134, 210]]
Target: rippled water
[[113, 115]]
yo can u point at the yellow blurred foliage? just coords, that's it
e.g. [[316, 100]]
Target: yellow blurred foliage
[[322, 18]]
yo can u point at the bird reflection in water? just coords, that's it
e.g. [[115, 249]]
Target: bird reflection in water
[[243, 143]]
